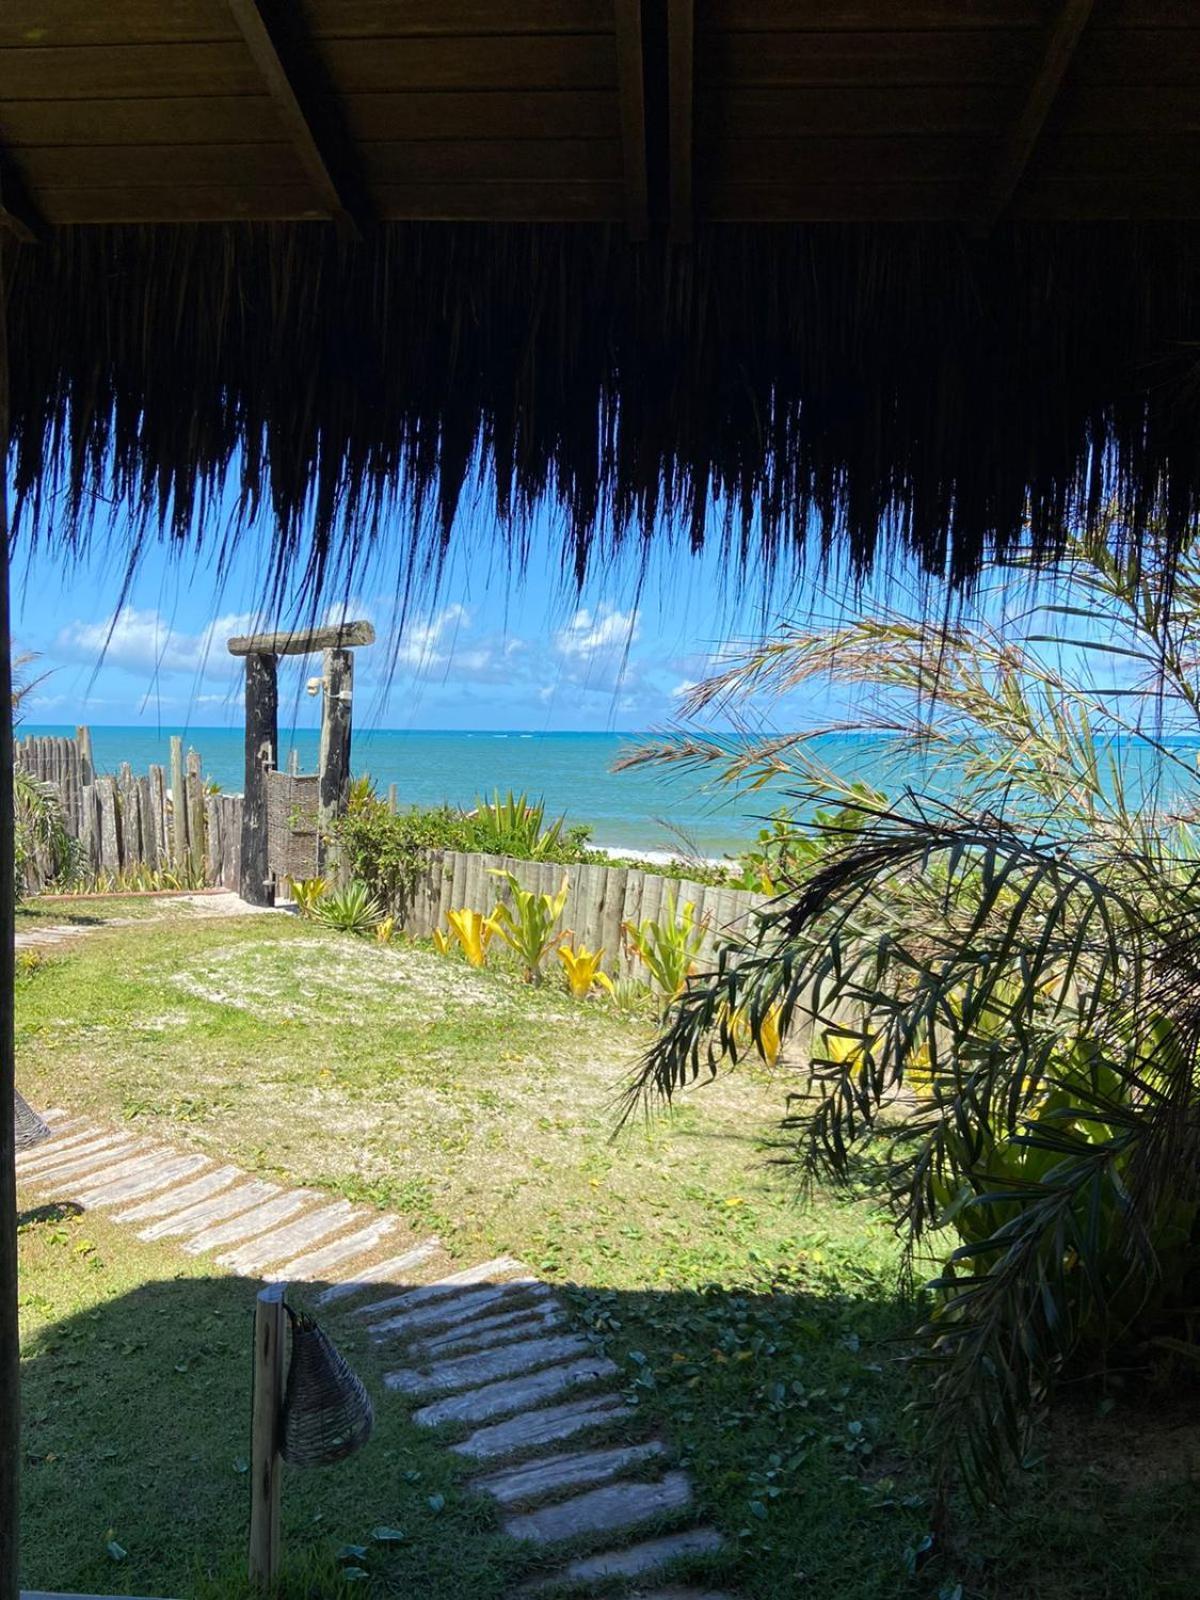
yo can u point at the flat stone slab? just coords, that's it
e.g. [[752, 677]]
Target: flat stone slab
[[226, 1204], [617, 1505], [316, 1263], [158, 1175], [74, 1162], [52, 1149], [483, 1365], [514, 1394], [489, 1331], [568, 1469], [162, 1205], [249, 1223], [141, 1159], [460, 1309], [546, 1426], [268, 1247], [635, 1561], [485, 1272], [385, 1272]]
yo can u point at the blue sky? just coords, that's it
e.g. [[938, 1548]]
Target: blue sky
[[490, 650]]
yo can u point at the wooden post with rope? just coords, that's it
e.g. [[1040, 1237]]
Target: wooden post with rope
[[266, 1467]]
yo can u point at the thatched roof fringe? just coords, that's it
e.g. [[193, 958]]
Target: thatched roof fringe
[[791, 390]]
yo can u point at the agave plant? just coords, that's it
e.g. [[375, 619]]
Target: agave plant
[[515, 825], [1002, 976], [582, 967], [353, 909], [528, 925]]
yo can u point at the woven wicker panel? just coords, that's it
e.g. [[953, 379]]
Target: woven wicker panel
[[30, 1129], [292, 804]]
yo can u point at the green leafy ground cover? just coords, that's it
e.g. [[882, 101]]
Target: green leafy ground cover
[[762, 1334]]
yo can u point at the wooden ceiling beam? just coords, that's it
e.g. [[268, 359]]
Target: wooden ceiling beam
[[279, 86], [631, 95], [1060, 40], [681, 77]]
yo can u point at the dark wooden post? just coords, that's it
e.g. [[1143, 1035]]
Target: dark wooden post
[[262, 737], [334, 763], [10, 1363]]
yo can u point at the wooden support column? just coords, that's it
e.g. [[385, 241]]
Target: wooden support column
[[262, 739], [333, 764], [10, 1366], [270, 1337], [337, 705]]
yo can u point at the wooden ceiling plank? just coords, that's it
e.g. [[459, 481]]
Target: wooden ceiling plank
[[1018, 144], [279, 86], [243, 119], [631, 97], [458, 202], [681, 77], [365, 19]]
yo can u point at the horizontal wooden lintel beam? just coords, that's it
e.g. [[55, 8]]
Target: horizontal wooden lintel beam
[[341, 636]]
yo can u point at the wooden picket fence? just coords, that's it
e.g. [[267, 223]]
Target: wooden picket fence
[[165, 822], [600, 900]]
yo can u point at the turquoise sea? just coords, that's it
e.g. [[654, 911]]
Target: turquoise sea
[[644, 809]]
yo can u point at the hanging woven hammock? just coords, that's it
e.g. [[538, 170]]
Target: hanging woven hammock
[[29, 1127], [327, 1413]]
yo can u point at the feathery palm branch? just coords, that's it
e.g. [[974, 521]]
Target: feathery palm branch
[[1003, 984]]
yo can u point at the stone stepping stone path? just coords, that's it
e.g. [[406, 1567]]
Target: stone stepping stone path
[[487, 1351], [490, 1352], [253, 1227]]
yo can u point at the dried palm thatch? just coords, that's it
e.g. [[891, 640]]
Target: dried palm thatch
[[790, 390]]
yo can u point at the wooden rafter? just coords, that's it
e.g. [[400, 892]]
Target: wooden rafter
[[632, 95], [1020, 140], [279, 86], [681, 31]]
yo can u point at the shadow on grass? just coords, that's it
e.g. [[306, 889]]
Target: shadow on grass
[[55, 1211], [788, 1409]]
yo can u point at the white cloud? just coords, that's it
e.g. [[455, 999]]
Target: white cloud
[[682, 690], [604, 632], [428, 642], [144, 642]]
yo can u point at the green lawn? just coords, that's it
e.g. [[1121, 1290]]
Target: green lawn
[[762, 1334]]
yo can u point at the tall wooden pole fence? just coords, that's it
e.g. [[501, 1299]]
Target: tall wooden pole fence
[[124, 821]]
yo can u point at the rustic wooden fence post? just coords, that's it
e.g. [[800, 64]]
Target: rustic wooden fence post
[[270, 1337], [179, 841], [195, 794]]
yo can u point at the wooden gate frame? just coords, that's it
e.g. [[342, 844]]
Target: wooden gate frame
[[262, 651]]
